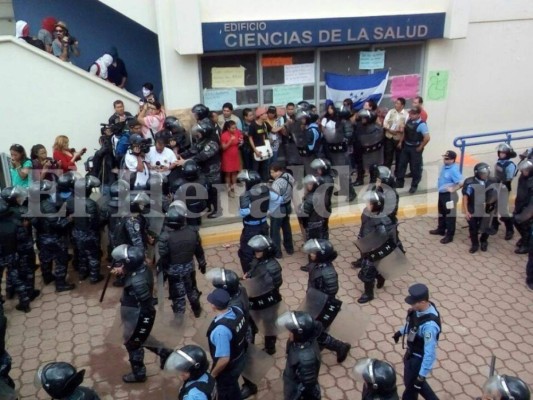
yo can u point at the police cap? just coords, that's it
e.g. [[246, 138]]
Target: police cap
[[417, 292]]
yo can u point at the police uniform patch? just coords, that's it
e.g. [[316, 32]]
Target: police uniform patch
[[427, 336], [137, 227]]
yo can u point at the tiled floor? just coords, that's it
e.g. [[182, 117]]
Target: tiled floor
[[485, 306]]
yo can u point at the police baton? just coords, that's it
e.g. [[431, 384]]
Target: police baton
[[492, 365], [105, 286]]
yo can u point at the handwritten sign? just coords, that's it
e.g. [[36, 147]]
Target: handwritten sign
[[406, 86], [287, 94], [229, 77], [299, 73], [372, 59], [437, 85], [215, 98]]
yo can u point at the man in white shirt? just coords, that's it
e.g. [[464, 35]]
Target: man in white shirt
[[160, 158], [136, 170], [393, 125]]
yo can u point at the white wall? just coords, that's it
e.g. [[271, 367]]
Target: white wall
[[45, 97], [140, 11]]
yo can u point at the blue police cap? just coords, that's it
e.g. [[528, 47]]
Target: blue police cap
[[417, 292], [219, 298]]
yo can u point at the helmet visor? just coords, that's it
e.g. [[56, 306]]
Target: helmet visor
[[363, 368], [288, 321], [503, 147], [120, 253], [312, 246], [217, 277], [493, 388], [371, 197], [259, 243], [310, 179], [179, 361], [38, 378], [141, 199], [318, 163], [243, 176], [179, 204], [525, 165]]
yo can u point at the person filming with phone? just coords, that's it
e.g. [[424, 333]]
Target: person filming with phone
[[65, 156]]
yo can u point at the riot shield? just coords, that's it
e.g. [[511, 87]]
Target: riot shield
[[130, 325], [346, 322], [274, 390], [169, 329], [491, 207], [265, 303]]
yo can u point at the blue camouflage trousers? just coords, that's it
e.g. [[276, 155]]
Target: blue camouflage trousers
[[15, 275], [180, 284], [52, 248], [88, 247]]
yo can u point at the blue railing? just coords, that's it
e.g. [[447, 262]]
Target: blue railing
[[462, 142]]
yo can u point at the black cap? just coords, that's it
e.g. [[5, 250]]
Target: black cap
[[272, 110], [417, 292], [219, 298], [450, 154]]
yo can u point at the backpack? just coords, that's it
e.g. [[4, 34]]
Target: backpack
[[122, 144]]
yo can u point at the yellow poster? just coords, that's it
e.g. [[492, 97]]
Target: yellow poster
[[229, 77]]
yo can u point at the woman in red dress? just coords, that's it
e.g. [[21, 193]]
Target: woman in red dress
[[64, 156], [230, 140]]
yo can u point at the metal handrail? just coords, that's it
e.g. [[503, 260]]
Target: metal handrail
[[461, 141]]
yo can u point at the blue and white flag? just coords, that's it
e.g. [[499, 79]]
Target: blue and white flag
[[359, 88]]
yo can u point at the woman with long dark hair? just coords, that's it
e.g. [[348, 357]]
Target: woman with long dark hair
[[20, 166], [43, 167]]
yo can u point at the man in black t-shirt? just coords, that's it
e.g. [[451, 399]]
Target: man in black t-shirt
[[116, 73], [257, 134]]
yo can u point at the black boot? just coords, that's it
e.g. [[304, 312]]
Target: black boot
[[196, 309], [475, 243], [23, 306], [357, 263], [34, 294], [248, 389], [131, 378], [270, 344], [380, 281], [342, 349], [483, 241], [163, 354], [64, 286], [368, 295]]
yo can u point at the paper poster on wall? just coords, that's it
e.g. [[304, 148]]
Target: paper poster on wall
[[276, 61], [372, 59], [299, 73], [437, 85], [228, 77], [406, 86], [287, 94], [215, 98]]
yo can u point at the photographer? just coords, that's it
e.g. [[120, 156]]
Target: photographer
[[120, 115], [102, 164], [65, 156], [136, 170], [43, 167], [64, 45]]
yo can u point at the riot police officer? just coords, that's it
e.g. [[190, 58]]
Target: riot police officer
[[193, 189], [62, 381], [51, 236], [8, 255], [322, 167], [110, 211], [16, 198], [266, 270], [313, 213], [323, 277], [505, 170], [206, 152], [505, 387], [475, 190], [523, 209], [300, 376], [227, 344], [253, 208], [373, 220], [178, 244], [137, 308], [422, 329], [313, 138], [192, 364], [369, 140], [229, 281], [86, 228], [378, 377], [337, 152]]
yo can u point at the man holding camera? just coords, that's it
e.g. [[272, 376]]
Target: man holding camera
[[135, 162], [64, 45]]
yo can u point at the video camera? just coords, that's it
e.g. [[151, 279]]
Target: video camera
[[145, 145], [117, 126]]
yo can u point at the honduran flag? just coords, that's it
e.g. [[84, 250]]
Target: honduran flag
[[359, 88]]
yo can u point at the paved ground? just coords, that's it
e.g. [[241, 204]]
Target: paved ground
[[484, 303]]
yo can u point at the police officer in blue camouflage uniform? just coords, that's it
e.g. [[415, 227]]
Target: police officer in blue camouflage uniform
[[421, 332], [16, 198], [51, 236], [177, 245], [8, 255], [86, 228]]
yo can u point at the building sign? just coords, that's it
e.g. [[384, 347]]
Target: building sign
[[255, 35]]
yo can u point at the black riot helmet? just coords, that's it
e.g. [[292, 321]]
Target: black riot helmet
[[116, 188], [526, 166], [135, 138], [503, 387], [200, 111], [250, 177], [526, 154], [311, 182], [321, 164], [42, 189], [303, 117], [379, 376], [139, 203], [384, 174], [86, 185], [4, 208], [226, 279], [300, 323], [132, 257], [176, 216], [191, 359], [262, 243], [14, 195], [366, 116], [375, 200], [322, 248], [190, 170], [163, 136], [173, 125], [482, 171], [65, 183], [303, 106], [204, 129], [59, 379], [506, 149]]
